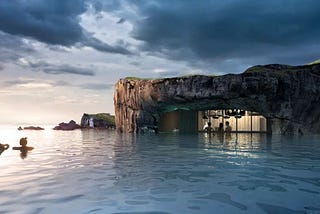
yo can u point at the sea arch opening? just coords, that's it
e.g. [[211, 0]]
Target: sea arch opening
[[193, 121]]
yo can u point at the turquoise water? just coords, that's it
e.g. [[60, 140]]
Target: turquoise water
[[94, 171]]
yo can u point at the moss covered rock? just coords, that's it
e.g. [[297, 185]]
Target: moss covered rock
[[100, 120]]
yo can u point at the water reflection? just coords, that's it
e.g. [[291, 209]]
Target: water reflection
[[242, 141], [165, 173], [158, 169], [23, 151]]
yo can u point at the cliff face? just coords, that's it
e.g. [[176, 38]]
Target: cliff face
[[288, 93], [100, 120]]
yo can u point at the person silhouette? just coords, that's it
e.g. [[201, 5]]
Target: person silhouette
[[23, 148], [208, 128], [220, 128], [228, 128]]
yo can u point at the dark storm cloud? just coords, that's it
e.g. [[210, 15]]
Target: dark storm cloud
[[121, 20], [54, 22], [67, 69], [214, 30], [11, 47], [59, 69], [50, 21], [103, 5], [101, 46]]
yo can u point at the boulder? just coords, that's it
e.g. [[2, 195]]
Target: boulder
[[72, 125]]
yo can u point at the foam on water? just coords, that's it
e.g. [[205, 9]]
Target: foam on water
[[94, 171]]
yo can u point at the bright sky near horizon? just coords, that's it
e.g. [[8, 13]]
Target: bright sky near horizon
[[59, 59]]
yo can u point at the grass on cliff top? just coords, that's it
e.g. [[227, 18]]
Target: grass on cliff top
[[136, 78], [104, 116], [279, 67], [315, 62], [161, 78], [271, 67]]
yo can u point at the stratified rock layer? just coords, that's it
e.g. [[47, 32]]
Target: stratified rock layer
[[288, 93]]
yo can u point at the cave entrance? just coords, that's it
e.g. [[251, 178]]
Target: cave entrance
[[188, 121], [183, 121], [241, 121]]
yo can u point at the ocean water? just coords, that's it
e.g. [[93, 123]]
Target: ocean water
[[99, 171]]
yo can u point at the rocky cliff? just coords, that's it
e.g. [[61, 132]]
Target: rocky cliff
[[290, 94]]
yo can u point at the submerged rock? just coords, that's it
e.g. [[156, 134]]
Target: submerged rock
[[100, 120], [67, 126], [288, 94]]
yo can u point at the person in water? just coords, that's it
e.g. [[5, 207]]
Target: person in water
[[220, 128], [228, 128], [3, 147], [23, 142], [23, 148], [208, 128]]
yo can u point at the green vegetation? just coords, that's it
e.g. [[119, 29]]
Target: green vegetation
[[272, 67], [315, 62], [104, 116], [135, 78], [183, 76]]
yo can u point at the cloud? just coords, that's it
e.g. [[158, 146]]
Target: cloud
[[54, 22], [135, 63], [24, 83], [12, 47], [42, 83], [213, 31], [96, 86], [163, 73], [10, 83], [104, 47], [50, 21], [121, 20], [57, 69], [67, 69], [62, 83]]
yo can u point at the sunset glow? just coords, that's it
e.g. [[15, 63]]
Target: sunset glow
[[60, 59]]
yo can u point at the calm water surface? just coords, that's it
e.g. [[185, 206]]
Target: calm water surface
[[94, 171]]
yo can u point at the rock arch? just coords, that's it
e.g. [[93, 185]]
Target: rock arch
[[290, 94]]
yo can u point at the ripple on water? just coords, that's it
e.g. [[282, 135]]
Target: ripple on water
[[279, 209], [224, 198], [101, 172]]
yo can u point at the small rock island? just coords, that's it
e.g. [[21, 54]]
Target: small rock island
[[288, 97], [100, 120]]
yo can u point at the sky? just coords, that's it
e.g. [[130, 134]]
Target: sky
[[62, 58]]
